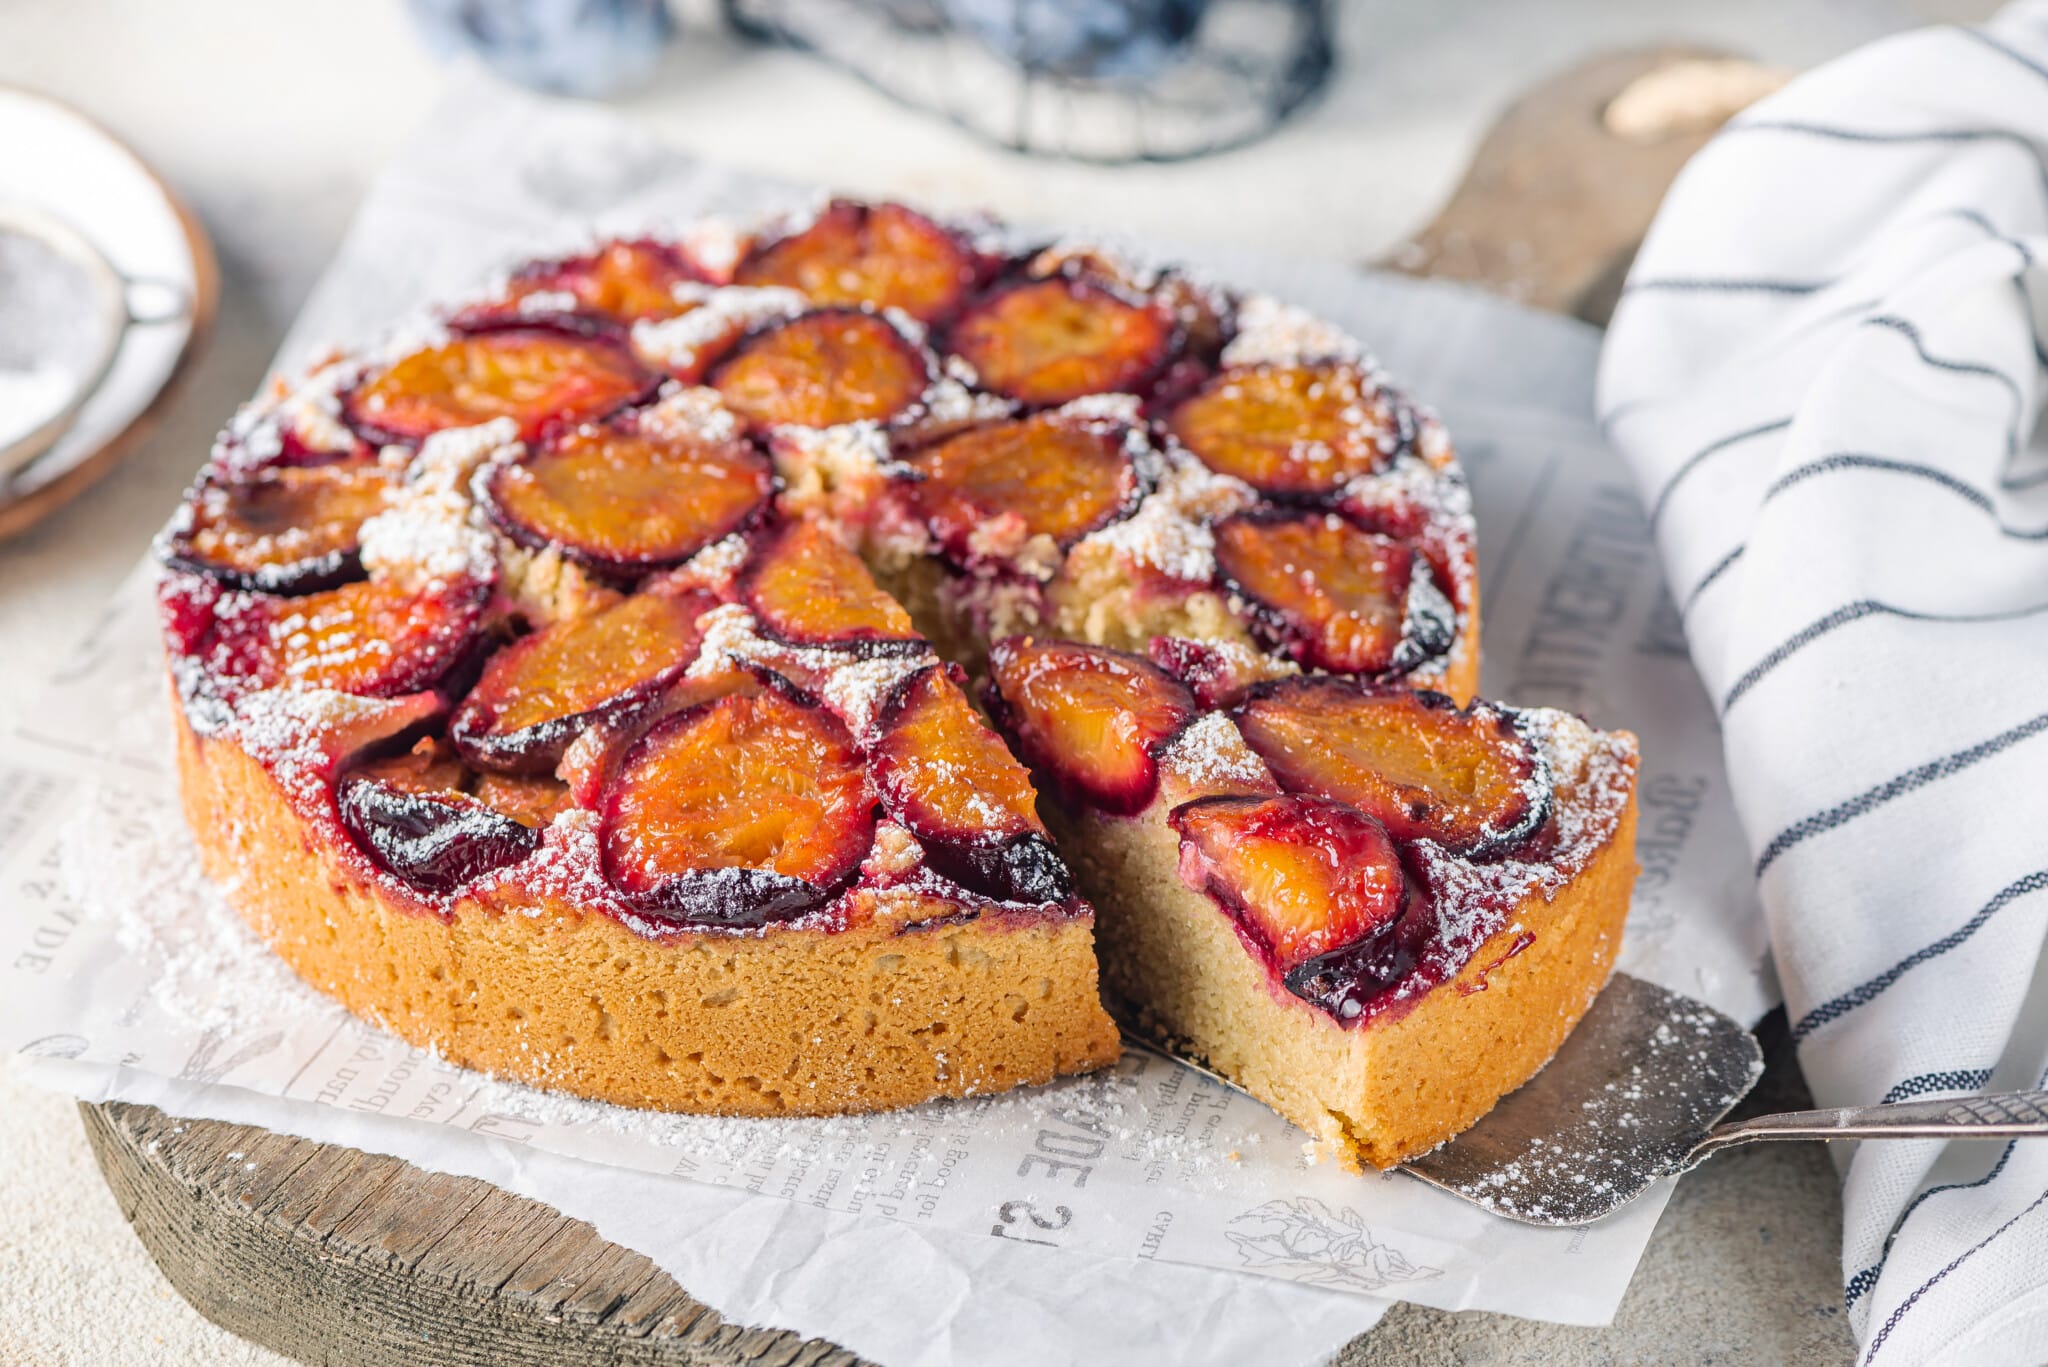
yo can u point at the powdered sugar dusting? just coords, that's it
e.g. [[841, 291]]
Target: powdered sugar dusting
[[1170, 531], [1432, 439], [950, 402], [1105, 407], [690, 413], [312, 411], [1445, 498], [852, 686], [713, 567], [1272, 333], [566, 867], [716, 245], [1123, 263], [204, 965], [680, 343], [857, 690], [543, 303], [308, 409], [433, 533], [1210, 752], [1588, 775]]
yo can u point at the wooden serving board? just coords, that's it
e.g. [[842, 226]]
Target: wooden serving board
[[332, 1256]]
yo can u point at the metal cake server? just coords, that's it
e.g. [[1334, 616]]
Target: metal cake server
[[1636, 1094]]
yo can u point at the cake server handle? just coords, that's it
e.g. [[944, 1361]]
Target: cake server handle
[[2001, 1115]]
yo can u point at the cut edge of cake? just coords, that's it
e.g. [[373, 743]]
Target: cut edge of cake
[[1381, 1091]]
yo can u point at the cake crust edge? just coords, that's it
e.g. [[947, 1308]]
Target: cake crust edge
[[569, 999]]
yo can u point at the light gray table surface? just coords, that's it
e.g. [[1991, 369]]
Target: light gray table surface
[[271, 119]]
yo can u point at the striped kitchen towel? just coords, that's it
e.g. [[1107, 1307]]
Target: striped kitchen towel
[[1826, 371]]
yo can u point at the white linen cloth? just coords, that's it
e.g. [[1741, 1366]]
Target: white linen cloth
[[1826, 370]]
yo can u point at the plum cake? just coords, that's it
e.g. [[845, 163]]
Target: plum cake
[[729, 672]]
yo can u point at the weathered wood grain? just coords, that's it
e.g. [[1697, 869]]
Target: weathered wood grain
[[347, 1259], [1554, 203]]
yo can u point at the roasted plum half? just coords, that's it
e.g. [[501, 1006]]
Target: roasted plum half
[[1315, 887], [541, 378], [622, 499], [1046, 342], [1467, 779], [372, 638], [530, 799], [883, 255], [1334, 595], [1002, 484], [1292, 431], [281, 529], [749, 808], [618, 284], [1304, 875], [1091, 717], [538, 693], [590, 761], [824, 368], [947, 777], [429, 822], [807, 589]]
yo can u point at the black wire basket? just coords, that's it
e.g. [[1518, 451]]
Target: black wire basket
[[1090, 80]]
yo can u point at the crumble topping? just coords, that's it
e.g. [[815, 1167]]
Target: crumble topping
[[1272, 333], [1170, 531], [719, 314], [1211, 751], [432, 531], [716, 245], [541, 303]]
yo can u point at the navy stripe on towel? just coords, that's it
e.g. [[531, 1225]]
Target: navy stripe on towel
[[1892, 1322], [1911, 469], [1953, 1080], [1853, 612], [1707, 580], [1869, 991], [1714, 285], [1905, 328], [1918, 777], [1996, 46], [1867, 1278], [1693, 461]]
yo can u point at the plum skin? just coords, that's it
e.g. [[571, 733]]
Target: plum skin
[[1019, 868], [433, 842]]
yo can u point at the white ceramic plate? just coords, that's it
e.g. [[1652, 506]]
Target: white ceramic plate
[[60, 162]]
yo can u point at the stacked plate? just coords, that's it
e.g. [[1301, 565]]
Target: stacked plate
[[106, 287]]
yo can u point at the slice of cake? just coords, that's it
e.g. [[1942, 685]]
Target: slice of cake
[[1375, 911]]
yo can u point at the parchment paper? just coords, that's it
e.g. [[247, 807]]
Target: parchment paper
[[1077, 1222]]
